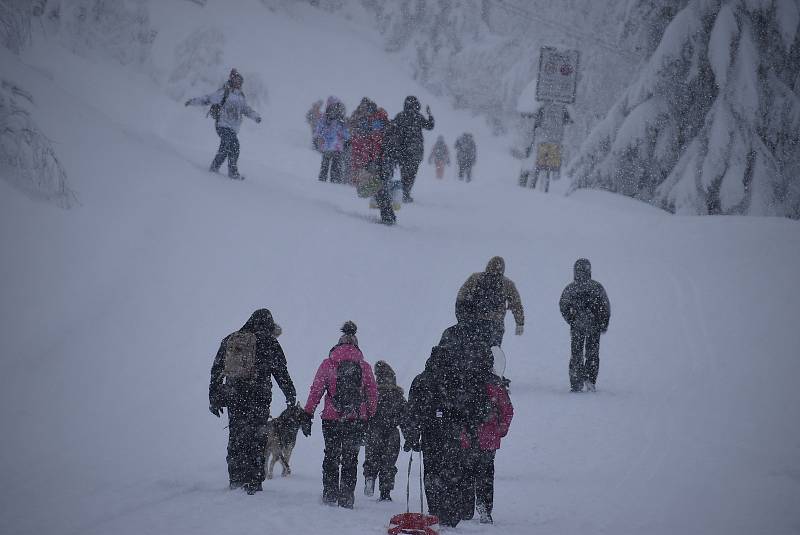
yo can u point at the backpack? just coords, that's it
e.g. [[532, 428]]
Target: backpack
[[216, 109], [489, 294], [240, 356], [349, 390]]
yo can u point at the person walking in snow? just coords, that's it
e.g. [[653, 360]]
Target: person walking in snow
[[488, 295], [241, 381], [440, 156], [465, 156], [228, 105], [447, 402], [312, 117], [330, 135], [585, 307], [493, 428], [410, 148], [351, 398], [383, 437]]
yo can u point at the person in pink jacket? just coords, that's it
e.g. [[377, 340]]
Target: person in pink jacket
[[489, 434], [351, 398]]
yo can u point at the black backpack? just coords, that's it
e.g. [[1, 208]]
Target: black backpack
[[459, 392], [489, 293], [216, 109], [349, 388]]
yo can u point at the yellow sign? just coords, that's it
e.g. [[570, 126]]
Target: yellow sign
[[548, 156]]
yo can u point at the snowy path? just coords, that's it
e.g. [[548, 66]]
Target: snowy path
[[115, 309]]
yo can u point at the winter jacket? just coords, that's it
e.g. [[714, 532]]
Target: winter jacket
[[230, 116], [391, 400], [367, 140], [500, 415], [256, 394], [508, 300], [325, 383], [447, 399], [409, 124], [332, 134], [584, 303], [465, 150], [439, 153]]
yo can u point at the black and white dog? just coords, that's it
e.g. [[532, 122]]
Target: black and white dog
[[282, 436]]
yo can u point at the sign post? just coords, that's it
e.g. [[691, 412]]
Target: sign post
[[555, 88]]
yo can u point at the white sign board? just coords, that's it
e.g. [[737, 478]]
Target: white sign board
[[558, 75]]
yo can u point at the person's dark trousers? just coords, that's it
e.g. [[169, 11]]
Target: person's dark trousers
[[445, 480], [228, 148], [342, 442], [384, 201], [380, 456], [332, 161], [483, 468], [585, 362], [408, 174], [464, 171], [246, 443]]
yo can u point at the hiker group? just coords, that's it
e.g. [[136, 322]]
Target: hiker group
[[458, 407], [362, 150]]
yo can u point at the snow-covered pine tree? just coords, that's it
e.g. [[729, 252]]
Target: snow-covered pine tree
[[712, 124]]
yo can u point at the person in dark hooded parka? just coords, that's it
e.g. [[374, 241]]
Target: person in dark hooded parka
[[383, 437], [241, 380], [448, 402], [585, 307], [410, 147]]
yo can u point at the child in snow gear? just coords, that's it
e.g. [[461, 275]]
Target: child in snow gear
[[585, 307], [487, 295], [227, 107], [383, 436], [440, 156], [330, 135], [241, 380], [351, 398], [465, 156], [495, 427], [409, 148], [312, 117]]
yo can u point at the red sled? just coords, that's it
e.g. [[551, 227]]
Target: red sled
[[413, 524]]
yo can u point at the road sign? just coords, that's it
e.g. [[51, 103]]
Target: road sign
[[558, 75]]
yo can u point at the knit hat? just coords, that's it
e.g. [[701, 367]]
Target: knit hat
[[349, 334]]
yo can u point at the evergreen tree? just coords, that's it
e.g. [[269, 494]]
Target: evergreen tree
[[712, 124]]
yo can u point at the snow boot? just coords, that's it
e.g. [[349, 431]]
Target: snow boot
[[346, 500], [385, 496], [252, 488], [233, 485], [485, 517], [369, 486], [590, 386]]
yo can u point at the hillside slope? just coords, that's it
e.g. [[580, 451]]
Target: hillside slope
[[113, 310]]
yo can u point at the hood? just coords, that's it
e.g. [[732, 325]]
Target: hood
[[260, 321], [583, 270], [384, 374], [343, 352], [411, 104], [496, 265]]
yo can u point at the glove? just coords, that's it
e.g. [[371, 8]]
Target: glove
[[216, 411], [305, 423], [520, 329], [258, 120]]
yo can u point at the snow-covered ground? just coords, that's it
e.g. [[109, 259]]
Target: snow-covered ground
[[112, 312]]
